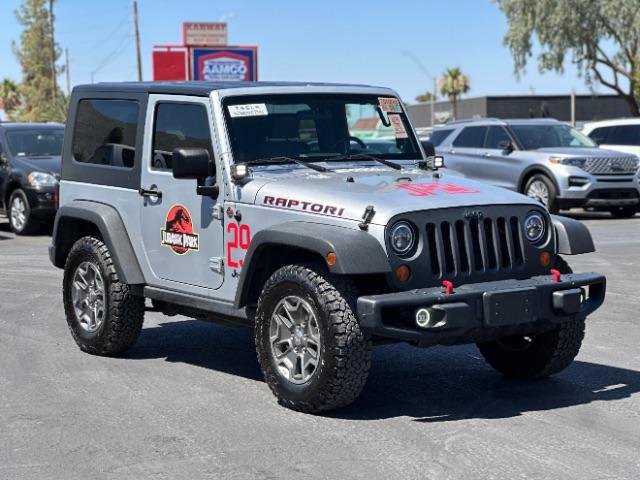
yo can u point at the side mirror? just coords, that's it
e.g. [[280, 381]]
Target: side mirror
[[194, 163], [428, 147], [506, 146]]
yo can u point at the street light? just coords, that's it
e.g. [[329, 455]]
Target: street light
[[427, 74]]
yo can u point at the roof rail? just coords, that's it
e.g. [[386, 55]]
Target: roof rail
[[478, 119]]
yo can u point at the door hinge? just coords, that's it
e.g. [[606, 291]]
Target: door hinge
[[216, 264], [217, 212]]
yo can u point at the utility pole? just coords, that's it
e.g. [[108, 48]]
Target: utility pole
[[135, 21], [54, 84], [66, 69]]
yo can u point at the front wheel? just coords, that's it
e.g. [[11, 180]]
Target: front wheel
[[21, 220], [625, 212], [311, 350], [541, 188]]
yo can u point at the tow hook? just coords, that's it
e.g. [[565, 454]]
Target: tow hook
[[556, 275], [448, 287]]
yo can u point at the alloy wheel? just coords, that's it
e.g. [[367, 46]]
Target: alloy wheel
[[88, 296], [18, 213]]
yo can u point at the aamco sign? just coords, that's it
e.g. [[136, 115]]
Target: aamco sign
[[225, 64]]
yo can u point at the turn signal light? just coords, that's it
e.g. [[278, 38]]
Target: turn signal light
[[545, 259], [332, 258], [403, 272]]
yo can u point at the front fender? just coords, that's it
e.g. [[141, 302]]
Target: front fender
[[572, 236]]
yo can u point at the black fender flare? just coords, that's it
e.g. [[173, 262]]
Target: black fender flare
[[572, 236], [114, 234], [357, 252]]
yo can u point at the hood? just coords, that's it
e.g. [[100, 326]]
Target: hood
[[346, 193], [49, 165], [582, 152]]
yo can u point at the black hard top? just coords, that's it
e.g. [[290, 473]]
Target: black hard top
[[194, 87]]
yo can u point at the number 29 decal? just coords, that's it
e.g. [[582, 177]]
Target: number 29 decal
[[239, 239]]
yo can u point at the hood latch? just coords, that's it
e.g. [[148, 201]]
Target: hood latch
[[369, 212]]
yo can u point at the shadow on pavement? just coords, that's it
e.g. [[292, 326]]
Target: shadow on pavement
[[430, 385]]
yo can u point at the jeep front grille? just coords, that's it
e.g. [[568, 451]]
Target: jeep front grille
[[465, 246], [611, 165]]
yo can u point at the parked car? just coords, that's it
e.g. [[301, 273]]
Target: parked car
[[621, 134], [29, 173], [264, 217], [544, 159]]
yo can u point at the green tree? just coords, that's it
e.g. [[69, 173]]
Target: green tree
[[38, 53], [454, 83], [601, 37], [9, 97], [426, 97]]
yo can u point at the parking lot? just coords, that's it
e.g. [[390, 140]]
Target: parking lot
[[188, 400]]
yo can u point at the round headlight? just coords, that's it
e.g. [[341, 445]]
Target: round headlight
[[401, 237], [534, 227]]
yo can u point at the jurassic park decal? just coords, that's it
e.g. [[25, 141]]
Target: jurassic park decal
[[178, 234]]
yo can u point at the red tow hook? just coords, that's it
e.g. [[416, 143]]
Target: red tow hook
[[448, 287], [556, 276]]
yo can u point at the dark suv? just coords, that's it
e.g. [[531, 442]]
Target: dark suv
[[29, 173]]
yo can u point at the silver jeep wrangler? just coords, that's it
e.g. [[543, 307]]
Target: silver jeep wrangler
[[311, 213]]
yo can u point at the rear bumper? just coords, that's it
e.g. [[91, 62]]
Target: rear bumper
[[481, 311]]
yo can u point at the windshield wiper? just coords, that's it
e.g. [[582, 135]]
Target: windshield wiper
[[364, 156], [283, 160]]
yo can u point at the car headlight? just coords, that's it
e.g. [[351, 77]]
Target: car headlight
[[535, 226], [40, 179], [402, 237], [571, 162]]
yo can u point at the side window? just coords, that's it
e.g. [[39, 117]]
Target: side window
[[179, 125], [471, 137], [495, 136], [438, 136], [625, 135], [599, 135], [105, 132]]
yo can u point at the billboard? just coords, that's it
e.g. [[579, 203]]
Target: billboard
[[227, 64], [170, 64], [209, 34]]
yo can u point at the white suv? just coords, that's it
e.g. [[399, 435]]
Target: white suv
[[622, 134]]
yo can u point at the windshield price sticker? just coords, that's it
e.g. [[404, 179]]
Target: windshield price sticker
[[398, 126], [248, 110], [390, 104]]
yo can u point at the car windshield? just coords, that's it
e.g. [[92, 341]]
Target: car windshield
[[532, 137], [35, 143], [316, 127]]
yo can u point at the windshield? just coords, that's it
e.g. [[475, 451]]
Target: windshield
[[549, 136], [318, 127], [35, 143]]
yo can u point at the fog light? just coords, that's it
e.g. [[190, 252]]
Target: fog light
[[423, 317], [403, 272], [545, 259]]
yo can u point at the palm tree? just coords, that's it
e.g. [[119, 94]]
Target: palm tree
[[453, 84], [9, 96]]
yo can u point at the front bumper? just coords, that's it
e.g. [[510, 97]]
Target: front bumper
[[582, 189], [482, 311], [43, 201]]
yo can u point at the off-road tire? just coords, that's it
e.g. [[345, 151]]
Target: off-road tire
[[31, 225], [625, 212], [552, 204], [548, 353], [345, 354], [124, 311]]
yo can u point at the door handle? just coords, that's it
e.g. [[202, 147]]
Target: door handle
[[150, 192]]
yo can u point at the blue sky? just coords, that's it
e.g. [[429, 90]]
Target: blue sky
[[352, 41]]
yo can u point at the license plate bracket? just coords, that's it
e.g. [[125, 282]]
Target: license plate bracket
[[510, 307]]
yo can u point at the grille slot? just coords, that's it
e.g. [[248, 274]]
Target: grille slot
[[611, 165], [466, 247]]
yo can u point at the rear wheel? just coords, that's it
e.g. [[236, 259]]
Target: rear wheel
[[536, 355], [21, 220], [312, 352], [542, 188], [625, 212], [104, 317]]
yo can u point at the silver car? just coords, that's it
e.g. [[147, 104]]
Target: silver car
[[544, 159]]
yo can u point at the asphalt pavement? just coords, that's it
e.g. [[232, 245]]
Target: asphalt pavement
[[188, 400]]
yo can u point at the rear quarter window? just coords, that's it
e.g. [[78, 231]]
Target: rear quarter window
[[105, 132]]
